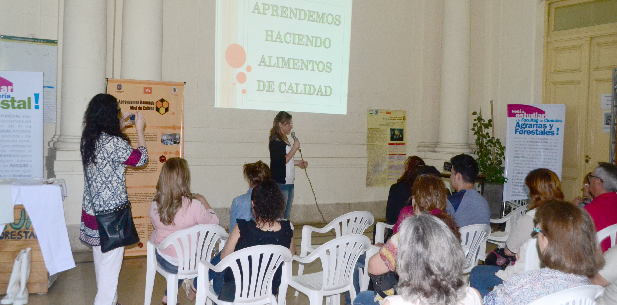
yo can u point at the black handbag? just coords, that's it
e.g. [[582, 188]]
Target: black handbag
[[116, 228], [385, 284]]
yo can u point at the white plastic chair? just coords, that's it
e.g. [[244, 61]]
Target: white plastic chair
[[380, 229], [499, 237], [347, 224], [610, 231], [473, 240], [192, 245], [338, 260], [253, 269], [581, 295], [532, 256]]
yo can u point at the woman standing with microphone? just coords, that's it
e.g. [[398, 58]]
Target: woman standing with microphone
[[282, 157]]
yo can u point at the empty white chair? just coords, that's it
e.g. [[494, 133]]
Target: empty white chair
[[347, 224], [253, 269], [532, 256], [473, 240], [610, 231], [338, 259], [192, 245], [581, 295], [380, 229], [499, 237]]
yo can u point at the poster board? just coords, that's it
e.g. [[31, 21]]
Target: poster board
[[21, 124], [162, 105], [534, 140], [386, 149], [34, 55]]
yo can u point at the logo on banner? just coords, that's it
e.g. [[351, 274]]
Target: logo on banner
[[174, 90], [119, 86], [9, 102], [147, 90], [6, 86], [162, 106]]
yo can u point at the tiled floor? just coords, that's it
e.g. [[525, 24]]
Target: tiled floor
[[78, 285]]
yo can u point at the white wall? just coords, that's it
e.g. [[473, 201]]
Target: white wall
[[395, 63]]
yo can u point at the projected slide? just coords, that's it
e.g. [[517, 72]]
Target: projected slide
[[288, 55]]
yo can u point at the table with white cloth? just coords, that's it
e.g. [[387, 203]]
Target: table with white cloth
[[32, 215]]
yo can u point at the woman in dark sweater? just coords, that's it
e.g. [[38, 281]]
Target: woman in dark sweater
[[398, 198]]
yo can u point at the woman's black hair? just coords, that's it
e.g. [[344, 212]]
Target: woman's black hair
[[102, 115], [268, 202]]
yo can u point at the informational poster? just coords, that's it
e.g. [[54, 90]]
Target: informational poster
[[21, 124], [288, 55], [534, 139], [386, 150], [34, 55], [162, 105]]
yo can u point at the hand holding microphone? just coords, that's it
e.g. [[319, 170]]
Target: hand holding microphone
[[302, 164]]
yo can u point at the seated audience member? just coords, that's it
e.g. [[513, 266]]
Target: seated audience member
[[587, 198], [175, 208], [434, 202], [466, 205], [543, 185], [431, 262], [607, 278], [266, 229], [603, 207], [398, 198], [428, 197], [569, 250], [241, 208]]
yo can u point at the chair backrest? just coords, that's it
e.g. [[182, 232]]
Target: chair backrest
[[532, 256], [514, 216], [351, 223], [473, 240], [380, 230], [610, 231], [253, 269], [338, 259], [193, 245], [581, 295]]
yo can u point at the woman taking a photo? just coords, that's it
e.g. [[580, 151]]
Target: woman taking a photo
[[282, 157], [105, 153], [568, 248], [543, 185]]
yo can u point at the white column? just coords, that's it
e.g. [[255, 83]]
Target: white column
[[454, 108], [142, 39], [83, 52]]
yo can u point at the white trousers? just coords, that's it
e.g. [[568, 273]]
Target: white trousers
[[107, 267]]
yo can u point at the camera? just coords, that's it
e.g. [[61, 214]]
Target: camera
[[447, 166], [132, 118]]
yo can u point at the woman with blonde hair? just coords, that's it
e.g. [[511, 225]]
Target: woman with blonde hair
[[543, 185], [175, 208]]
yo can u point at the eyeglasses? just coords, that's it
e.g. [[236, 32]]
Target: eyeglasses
[[592, 176]]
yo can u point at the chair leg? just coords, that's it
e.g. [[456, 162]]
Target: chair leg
[[172, 290], [150, 275], [300, 271]]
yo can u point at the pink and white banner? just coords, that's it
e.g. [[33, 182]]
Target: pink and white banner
[[534, 139]]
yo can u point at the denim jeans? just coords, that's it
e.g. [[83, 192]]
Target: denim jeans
[[483, 278], [169, 267], [365, 298], [288, 195]]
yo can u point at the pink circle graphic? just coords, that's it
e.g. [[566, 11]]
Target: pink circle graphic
[[243, 91], [241, 77], [249, 68], [235, 56]]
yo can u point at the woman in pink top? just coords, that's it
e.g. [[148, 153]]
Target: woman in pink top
[[175, 208]]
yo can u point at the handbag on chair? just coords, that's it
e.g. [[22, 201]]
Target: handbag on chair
[[116, 228]]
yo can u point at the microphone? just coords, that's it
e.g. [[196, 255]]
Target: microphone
[[293, 135]]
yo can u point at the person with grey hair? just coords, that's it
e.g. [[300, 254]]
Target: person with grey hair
[[430, 265], [603, 207]]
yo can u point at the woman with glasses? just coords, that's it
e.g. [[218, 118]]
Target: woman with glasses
[[543, 185], [568, 248], [282, 157]]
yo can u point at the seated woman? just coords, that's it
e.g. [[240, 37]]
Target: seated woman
[[266, 229], [543, 185], [429, 195], [568, 248], [398, 198], [408, 210], [430, 265], [241, 208], [175, 208]]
